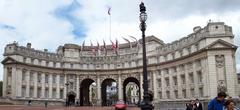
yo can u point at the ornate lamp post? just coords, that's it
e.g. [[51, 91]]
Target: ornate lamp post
[[67, 83], [146, 104]]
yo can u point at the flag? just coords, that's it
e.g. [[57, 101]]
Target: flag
[[136, 41], [93, 49], [104, 47], [128, 41], [117, 47], [109, 10], [82, 47]]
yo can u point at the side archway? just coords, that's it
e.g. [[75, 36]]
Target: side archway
[[125, 83], [109, 95], [85, 92]]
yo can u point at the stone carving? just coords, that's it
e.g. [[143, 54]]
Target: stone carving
[[221, 86], [219, 61]]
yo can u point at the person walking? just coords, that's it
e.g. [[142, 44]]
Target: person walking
[[229, 105], [218, 102], [198, 105]]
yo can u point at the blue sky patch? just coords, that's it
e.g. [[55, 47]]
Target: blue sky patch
[[67, 13]]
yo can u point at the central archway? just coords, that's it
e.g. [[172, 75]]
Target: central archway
[[125, 83], [84, 92], [109, 92]]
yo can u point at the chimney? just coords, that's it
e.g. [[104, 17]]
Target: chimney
[[29, 45]]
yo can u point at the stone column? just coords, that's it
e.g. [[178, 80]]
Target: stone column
[[5, 75], [13, 84], [65, 87], [35, 85], [179, 82], [212, 78], [43, 85], [28, 83], [163, 85], [195, 78], [141, 85], [58, 86], [187, 81], [77, 98], [155, 91], [19, 82], [171, 83], [99, 101], [231, 79], [50, 85], [120, 88]]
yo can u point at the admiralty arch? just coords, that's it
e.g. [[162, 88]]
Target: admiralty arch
[[196, 66]]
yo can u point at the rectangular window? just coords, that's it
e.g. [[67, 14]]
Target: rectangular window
[[200, 92], [31, 92], [39, 92], [54, 78], [175, 80], [23, 91], [39, 77], [176, 94], [183, 79], [62, 80], [199, 74], [23, 75], [160, 95], [61, 94], [54, 93], [46, 93], [46, 78], [168, 94], [159, 82], [191, 78], [184, 94], [31, 76], [167, 81], [192, 92]]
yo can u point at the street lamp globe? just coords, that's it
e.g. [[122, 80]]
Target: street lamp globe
[[143, 17]]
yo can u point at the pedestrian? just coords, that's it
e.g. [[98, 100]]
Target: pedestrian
[[198, 105], [229, 105], [29, 102], [191, 105], [46, 104], [218, 102]]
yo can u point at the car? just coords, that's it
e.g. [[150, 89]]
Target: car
[[120, 105]]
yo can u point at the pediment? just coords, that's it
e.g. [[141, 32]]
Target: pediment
[[8, 60], [221, 44]]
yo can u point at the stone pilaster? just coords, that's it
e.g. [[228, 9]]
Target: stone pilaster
[[120, 88], [179, 82], [212, 84], [78, 88], [65, 87], [99, 101], [43, 85], [35, 84], [163, 85], [19, 82], [50, 85], [195, 78], [58, 86], [5, 74], [28, 83], [13, 84], [171, 83], [187, 81], [231, 75], [155, 86]]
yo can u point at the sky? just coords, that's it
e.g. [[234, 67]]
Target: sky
[[48, 24]]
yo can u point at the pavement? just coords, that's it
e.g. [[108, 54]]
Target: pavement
[[21, 107]]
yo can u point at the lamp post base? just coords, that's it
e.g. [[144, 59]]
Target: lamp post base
[[146, 103]]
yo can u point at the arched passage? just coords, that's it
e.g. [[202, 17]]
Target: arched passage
[[84, 92], [126, 82], [109, 92]]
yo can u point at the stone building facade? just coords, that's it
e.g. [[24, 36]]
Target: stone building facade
[[196, 66]]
